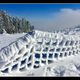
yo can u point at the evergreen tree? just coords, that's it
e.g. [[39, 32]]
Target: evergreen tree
[[14, 24]]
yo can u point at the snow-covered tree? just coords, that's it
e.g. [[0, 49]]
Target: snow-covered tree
[[13, 24]]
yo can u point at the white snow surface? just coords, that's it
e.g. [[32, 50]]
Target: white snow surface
[[6, 39], [69, 66]]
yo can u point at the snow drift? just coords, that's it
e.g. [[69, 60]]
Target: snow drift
[[34, 51]]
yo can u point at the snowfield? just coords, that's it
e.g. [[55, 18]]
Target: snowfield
[[6, 39], [68, 66]]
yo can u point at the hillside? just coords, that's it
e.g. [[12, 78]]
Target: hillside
[[17, 48]]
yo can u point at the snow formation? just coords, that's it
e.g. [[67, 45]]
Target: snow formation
[[40, 53]]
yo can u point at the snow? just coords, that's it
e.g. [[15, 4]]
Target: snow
[[60, 68], [66, 67], [69, 66], [6, 39]]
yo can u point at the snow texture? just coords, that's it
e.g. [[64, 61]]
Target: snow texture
[[11, 44]]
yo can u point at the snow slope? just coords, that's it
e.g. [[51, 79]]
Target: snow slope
[[61, 68], [69, 66], [6, 39]]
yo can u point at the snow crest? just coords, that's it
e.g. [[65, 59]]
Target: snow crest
[[30, 45], [13, 48]]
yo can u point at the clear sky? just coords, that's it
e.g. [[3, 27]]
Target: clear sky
[[34, 10], [37, 12]]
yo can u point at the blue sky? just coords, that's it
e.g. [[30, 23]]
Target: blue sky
[[37, 13], [34, 10]]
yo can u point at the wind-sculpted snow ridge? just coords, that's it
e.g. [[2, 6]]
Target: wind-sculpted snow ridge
[[8, 52], [37, 50]]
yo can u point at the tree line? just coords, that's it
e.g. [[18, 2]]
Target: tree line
[[14, 24]]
